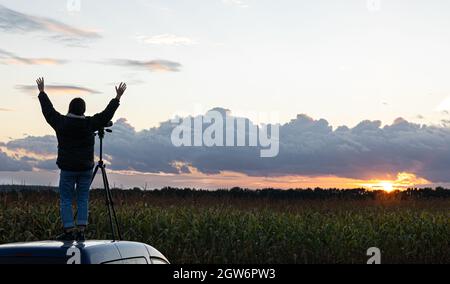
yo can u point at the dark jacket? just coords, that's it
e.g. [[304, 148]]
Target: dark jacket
[[76, 134]]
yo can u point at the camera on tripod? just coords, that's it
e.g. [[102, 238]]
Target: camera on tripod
[[114, 224], [101, 132]]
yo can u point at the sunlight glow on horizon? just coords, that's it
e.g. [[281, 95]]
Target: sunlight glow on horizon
[[225, 180], [403, 181], [229, 179]]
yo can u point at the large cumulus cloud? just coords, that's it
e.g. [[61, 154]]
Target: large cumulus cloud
[[44, 145], [307, 147], [13, 164]]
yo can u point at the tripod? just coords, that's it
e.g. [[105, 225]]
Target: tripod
[[109, 202]]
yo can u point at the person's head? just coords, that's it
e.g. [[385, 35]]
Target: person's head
[[77, 106]]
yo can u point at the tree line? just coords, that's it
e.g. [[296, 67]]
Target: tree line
[[267, 193]]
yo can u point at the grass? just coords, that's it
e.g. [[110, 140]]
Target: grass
[[227, 229]]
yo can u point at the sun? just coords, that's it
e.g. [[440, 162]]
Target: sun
[[386, 186], [403, 181]]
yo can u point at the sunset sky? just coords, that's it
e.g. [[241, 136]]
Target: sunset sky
[[352, 83]]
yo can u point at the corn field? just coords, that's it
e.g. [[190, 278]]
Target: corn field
[[226, 229]]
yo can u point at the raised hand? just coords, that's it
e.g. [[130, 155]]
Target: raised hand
[[40, 84], [120, 90]]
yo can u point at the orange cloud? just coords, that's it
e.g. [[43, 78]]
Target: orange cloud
[[62, 28], [60, 89], [229, 179], [15, 21], [10, 58], [402, 181], [159, 65], [33, 61], [24, 153]]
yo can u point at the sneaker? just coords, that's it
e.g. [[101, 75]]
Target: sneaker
[[80, 236], [66, 236]]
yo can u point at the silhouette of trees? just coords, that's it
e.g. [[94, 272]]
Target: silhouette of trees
[[267, 193]]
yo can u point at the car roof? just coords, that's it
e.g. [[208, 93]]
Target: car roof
[[94, 249], [53, 245]]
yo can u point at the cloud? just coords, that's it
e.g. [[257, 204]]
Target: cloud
[[11, 58], [308, 147], [5, 109], [166, 39], [44, 145], [13, 164], [17, 22], [153, 65], [59, 90]]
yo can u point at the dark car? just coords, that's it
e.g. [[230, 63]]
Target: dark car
[[87, 252]]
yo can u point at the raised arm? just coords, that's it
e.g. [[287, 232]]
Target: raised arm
[[120, 90], [101, 119], [49, 112]]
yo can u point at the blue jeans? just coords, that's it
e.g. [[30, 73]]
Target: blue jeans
[[74, 185]]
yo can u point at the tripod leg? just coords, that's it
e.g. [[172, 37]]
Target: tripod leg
[[108, 201], [92, 180], [111, 202], [93, 175]]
